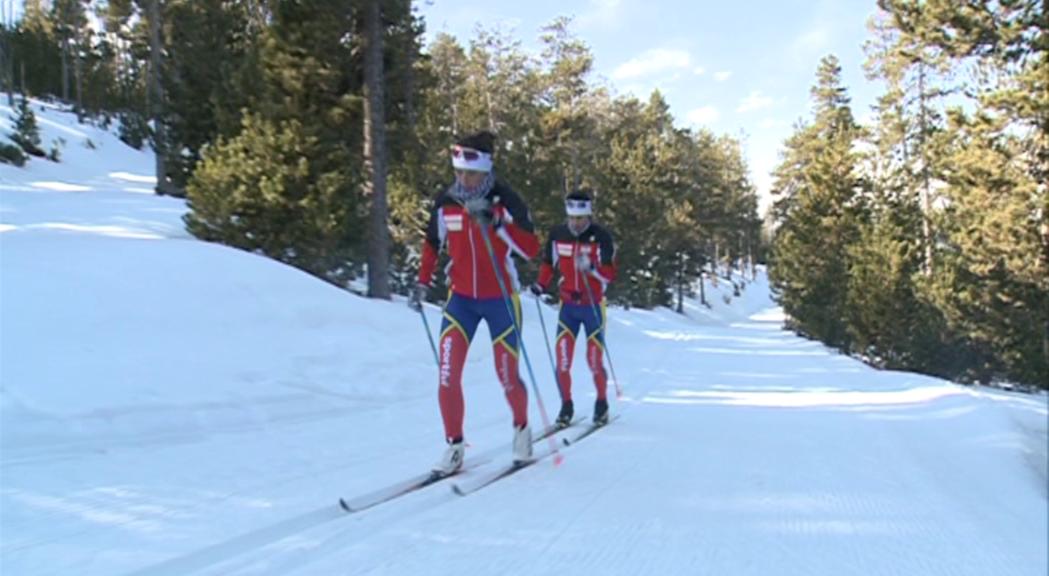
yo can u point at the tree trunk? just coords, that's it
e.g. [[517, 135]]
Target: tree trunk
[[374, 153], [7, 67], [717, 262], [750, 256], [702, 289], [680, 274], [923, 130], [78, 82], [65, 70], [156, 99]]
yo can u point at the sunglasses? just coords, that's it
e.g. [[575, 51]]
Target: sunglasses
[[466, 153], [577, 204]]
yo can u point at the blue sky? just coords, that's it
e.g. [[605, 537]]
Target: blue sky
[[743, 69]]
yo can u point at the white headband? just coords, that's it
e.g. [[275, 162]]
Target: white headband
[[575, 207], [482, 161]]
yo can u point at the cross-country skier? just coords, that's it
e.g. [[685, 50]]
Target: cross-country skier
[[476, 204], [584, 253]]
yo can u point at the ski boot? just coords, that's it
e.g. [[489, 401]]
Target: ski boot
[[452, 460], [522, 444], [564, 419], [601, 412]]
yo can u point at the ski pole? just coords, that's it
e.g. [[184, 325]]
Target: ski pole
[[429, 336], [520, 340], [603, 330], [546, 339]]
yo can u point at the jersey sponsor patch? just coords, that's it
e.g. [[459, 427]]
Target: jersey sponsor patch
[[454, 222], [564, 249]]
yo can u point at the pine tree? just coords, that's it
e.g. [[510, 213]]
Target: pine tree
[[889, 322], [36, 61], [994, 287], [27, 133], [566, 126], [819, 213], [286, 184], [274, 190], [209, 74], [993, 163]]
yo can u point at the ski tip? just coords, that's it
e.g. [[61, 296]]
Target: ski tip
[[344, 505], [566, 441], [457, 490]]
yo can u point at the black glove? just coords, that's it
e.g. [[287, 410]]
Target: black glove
[[482, 212], [536, 289], [415, 299]]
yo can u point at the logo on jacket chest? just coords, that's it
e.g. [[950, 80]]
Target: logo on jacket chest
[[569, 249], [453, 222]]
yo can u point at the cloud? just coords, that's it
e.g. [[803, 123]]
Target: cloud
[[650, 62], [754, 101], [703, 115], [722, 75], [699, 70]]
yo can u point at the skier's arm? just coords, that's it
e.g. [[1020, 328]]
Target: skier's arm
[[519, 226], [606, 247], [431, 247], [546, 268]]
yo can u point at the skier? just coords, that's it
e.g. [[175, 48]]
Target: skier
[[475, 205], [584, 253]]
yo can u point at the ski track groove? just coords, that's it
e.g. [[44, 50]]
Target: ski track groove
[[295, 550], [236, 554]]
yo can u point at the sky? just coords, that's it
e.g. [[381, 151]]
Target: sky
[[742, 69], [173, 407]]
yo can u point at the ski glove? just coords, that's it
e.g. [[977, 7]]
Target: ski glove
[[482, 212], [583, 262], [415, 300], [536, 289]]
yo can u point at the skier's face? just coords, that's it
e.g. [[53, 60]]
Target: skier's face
[[469, 179], [577, 224]]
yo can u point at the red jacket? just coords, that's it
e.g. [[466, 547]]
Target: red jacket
[[470, 269], [564, 248]]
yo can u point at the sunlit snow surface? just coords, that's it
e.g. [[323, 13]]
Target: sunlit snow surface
[[173, 407]]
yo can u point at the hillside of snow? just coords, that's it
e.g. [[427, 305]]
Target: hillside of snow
[[172, 407]]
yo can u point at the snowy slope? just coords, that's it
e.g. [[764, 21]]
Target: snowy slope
[[174, 407]]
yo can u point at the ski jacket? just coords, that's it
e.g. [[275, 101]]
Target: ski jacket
[[470, 269], [563, 249]]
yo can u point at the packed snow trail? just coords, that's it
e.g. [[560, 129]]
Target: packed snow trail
[[174, 407]]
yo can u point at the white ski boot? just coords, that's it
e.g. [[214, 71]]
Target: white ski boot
[[452, 460], [522, 444]]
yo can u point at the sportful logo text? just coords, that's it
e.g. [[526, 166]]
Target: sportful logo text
[[446, 360], [503, 367], [563, 356]]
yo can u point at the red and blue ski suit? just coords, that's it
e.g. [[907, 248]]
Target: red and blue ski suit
[[582, 296], [476, 295]]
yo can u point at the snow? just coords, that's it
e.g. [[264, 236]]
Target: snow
[[169, 406]]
